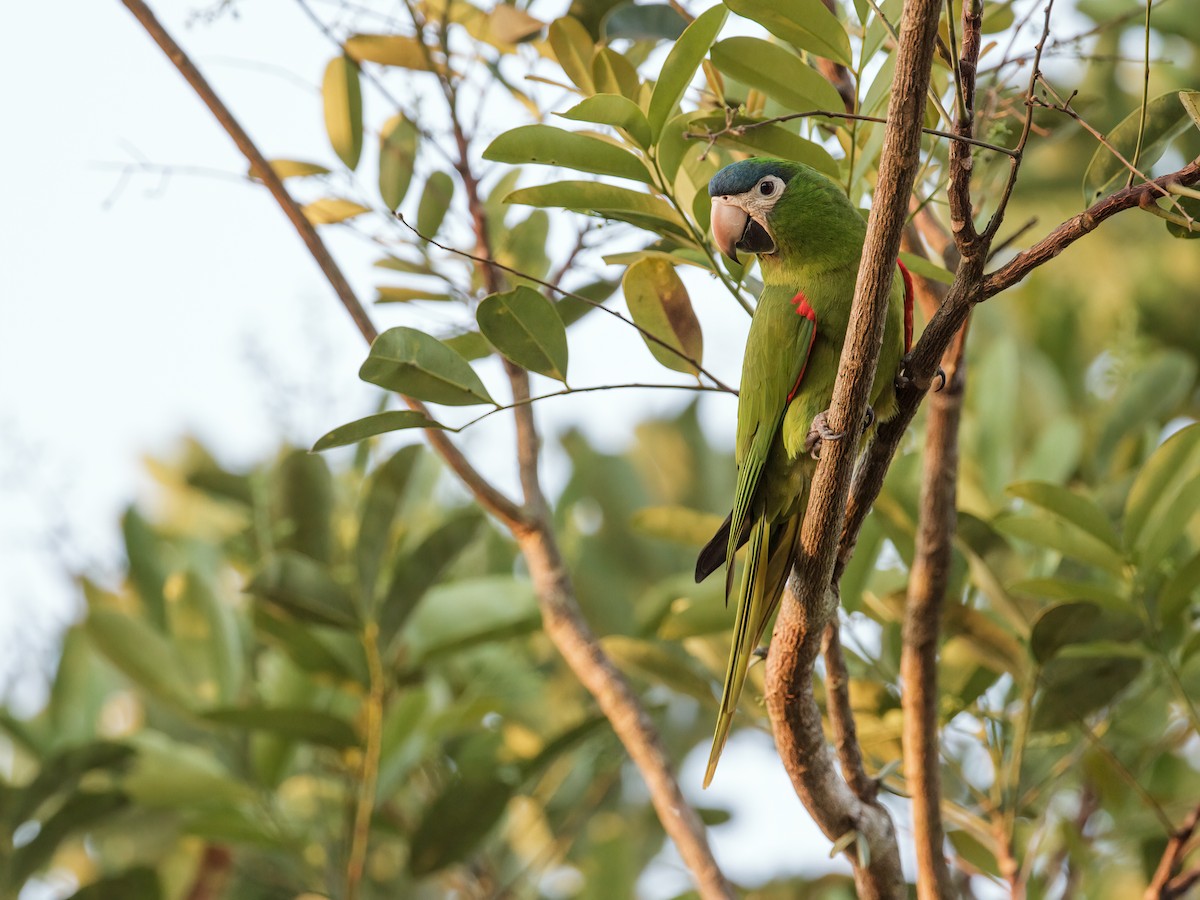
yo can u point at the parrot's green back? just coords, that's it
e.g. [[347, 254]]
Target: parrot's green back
[[788, 371]]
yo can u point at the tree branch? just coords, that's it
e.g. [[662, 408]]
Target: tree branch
[[563, 620], [485, 493], [1162, 885], [810, 601], [841, 716]]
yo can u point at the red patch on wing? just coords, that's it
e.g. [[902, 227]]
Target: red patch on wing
[[803, 309], [908, 307]]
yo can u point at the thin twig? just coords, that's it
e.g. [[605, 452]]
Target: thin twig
[[1162, 886], [485, 493], [1137, 150], [841, 716], [484, 260]]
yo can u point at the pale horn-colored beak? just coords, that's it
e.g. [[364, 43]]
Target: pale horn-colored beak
[[728, 225]]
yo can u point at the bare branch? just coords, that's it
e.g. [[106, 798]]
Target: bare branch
[[1162, 885], [809, 604], [841, 716]]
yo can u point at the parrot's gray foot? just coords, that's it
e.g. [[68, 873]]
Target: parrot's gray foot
[[819, 433], [905, 378]]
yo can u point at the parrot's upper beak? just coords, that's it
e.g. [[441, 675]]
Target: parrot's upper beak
[[733, 229]]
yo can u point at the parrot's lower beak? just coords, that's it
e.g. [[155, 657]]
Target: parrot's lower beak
[[733, 229]]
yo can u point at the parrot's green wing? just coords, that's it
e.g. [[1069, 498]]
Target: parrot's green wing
[[777, 350]]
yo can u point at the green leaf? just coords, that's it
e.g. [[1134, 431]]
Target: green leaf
[[549, 146], [141, 883], [997, 17], [467, 612], [418, 569], [604, 200], [1074, 508], [772, 140], [612, 73], [206, 636], [777, 72], [1073, 687], [413, 363], [1190, 100], [331, 210], [304, 589], [380, 423], [141, 653], [60, 773], [573, 48], [382, 496], [435, 202], [388, 50], [457, 821], [1063, 537], [78, 813], [1080, 623], [150, 562], [1154, 391], [1176, 460], [1166, 119], [659, 304], [302, 504], [173, 774], [294, 168], [342, 96], [644, 22], [1180, 591], [300, 724], [616, 111], [1191, 206], [919, 265], [805, 23], [681, 65], [469, 345], [1170, 525], [525, 327], [397, 155]]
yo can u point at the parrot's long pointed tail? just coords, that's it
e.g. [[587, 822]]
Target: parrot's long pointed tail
[[772, 552]]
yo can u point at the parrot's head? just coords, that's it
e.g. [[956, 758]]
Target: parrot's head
[[779, 209]]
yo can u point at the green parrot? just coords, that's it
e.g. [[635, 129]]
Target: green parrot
[[809, 239]]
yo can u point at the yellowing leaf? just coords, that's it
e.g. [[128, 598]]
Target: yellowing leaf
[[510, 25], [660, 306], [295, 168], [331, 210], [573, 48], [397, 154], [388, 50], [342, 96]]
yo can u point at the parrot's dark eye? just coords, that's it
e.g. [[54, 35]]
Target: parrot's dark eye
[[766, 188]]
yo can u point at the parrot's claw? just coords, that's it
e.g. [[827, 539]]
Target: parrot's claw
[[818, 433], [905, 379], [760, 652], [869, 418]]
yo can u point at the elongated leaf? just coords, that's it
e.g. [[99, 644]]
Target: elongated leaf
[[1154, 391], [302, 504], [657, 662], [602, 199], [418, 569], [456, 822], [659, 304], [1073, 687], [388, 50], [397, 155], [1168, 528], [382, 497], [677, 523], [295, 168], [919, 265], [614, 110], [1067, 539], [773, 140], [390, 293], [509, 25], [78, 813], [1080, 623], [1187, 231], [612, 73], [380, 423], [1166, 119], [150, 561], [206, 636], [342, 96], [777, 72], [61, 773], [644, 22], [413, 363], [435, 202], [549, 146], [806, 23], [331, 210], [1068, 505], [140, 652], [1177, 459], [299, 724], [573, 48], [1191, 105], [468, 612], [1182, 589], [304, 589], [525, 327], [681, 65]]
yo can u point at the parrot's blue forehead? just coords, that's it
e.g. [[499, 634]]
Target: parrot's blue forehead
[[739, 177]]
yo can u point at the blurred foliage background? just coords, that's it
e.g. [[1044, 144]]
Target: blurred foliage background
[[210, 715]]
